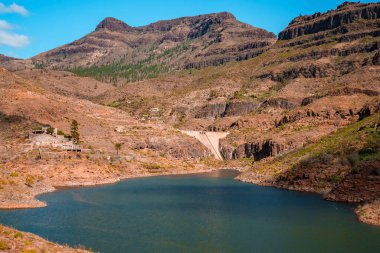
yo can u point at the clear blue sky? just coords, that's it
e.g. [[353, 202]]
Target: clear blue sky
[[29, 27]]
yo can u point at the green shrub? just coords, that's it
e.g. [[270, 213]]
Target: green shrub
[[4, 245], [14, 174], [18, 235]]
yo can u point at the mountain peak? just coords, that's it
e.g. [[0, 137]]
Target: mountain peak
[[225, 15], [113, 24]]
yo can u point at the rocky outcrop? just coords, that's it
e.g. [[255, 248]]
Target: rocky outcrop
[[346, 13], [316, 54], [341, 52], [369, 109], [308, 113], [346, 91], [310, 71], [238, 108], [233, 108], [277, 103], [376, 59], [210, 111], [241, 53], [257, 150]]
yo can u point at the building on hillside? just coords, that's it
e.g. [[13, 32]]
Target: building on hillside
[[46, 137]]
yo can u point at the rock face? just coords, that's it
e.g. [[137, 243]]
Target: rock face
[[346, 13], [189, 42], [310, 71], [340, 92], [257, 151], [233, 108]]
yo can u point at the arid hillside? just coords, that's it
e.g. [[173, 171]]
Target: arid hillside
[[32, 165], [116, 52]]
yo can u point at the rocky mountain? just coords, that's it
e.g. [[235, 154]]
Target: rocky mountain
[[135, 53]]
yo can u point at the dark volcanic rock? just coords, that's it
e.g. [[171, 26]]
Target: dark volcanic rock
[[257, 151], [233, 108], [210, 111], [369, 109], [239, 108]]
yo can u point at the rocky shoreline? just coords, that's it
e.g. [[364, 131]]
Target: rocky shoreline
[[367, 212], [12, 241]]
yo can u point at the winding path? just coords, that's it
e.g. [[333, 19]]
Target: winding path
[[209, 139]]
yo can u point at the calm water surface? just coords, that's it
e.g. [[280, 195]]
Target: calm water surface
[[196, 213]]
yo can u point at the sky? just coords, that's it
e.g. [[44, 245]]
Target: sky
[[30, 27]]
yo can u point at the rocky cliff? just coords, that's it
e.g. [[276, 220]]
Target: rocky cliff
[[347, 13], [257, 151]]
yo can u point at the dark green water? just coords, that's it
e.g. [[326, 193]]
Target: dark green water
[[196, 213]]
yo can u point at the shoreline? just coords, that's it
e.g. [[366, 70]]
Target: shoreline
[[33, 202], [363, 211]]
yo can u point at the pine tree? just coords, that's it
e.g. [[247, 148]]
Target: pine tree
[[74, 131], [118, 147]]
